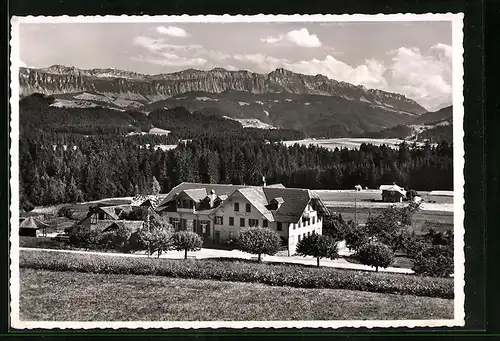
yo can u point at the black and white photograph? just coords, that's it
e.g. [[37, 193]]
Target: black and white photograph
[[237, 171]]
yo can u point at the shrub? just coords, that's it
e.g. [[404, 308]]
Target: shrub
[[435, 261], [84, 238], [259, 240], [318, 246], [375, 255], [115, 240], [335, 227], [356, 236], [243, 271], [158, 240], [186, 241]]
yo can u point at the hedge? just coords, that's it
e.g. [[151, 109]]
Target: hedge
[[242, 271]]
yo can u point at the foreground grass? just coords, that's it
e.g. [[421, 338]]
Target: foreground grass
[[71, 296], [241, 271]]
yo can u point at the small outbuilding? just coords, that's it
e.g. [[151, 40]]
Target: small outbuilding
[[392, 193], [32, 227]]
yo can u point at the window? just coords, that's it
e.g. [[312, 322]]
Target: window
[[176, 223], [264, 223], [242, 221], [308, 222], [231, 221], [219, 220], [203, 225], [236, 207], [253, 222], [101, 215], [293, 226], [299, 223], [308, 234], [314, 220], [248, 208], [279, 226], [299, 238], [185, 204], [231, 234], [191, 203]]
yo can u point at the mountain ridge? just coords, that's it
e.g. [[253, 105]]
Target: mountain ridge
[[129, 85]]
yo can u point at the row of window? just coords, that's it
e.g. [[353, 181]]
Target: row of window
[[306, 222], [248, 207], [300, 236], [251, 222]]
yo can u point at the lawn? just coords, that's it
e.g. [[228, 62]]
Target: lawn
[[70, 296]]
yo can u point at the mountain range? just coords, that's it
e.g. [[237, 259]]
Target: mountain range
[[316, 105]]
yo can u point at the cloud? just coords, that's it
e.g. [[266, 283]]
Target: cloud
[[160, 44], [265, 63], [303, 38], [300, 37], [425, 77], [172, 31], [170, 59]]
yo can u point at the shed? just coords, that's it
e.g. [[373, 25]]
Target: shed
[[392, 193], [32, 227]]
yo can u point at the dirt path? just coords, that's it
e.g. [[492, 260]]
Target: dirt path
[[216, 253]]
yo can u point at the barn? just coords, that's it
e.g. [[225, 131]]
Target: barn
[[392, 193], [32, 227]]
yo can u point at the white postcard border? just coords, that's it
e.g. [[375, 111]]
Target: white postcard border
[[459, 181]]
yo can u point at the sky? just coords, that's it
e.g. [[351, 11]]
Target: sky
[[409, 58]]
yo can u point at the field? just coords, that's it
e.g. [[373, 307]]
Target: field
[[347, 142], [69, 296]]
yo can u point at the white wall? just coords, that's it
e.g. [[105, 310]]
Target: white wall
[[301, 229]]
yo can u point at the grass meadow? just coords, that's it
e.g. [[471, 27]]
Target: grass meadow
[[72, 296]]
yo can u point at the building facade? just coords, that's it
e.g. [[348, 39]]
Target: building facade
[[220, 212]]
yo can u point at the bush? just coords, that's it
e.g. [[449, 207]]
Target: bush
[[375, 255], [84, 238], [356, 236], [435, 261], [158, 240], [242, 271], [335, 226], [115, 240], [259, 240], [186, 241], [318, 246]]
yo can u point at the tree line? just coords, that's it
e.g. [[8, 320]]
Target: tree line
[[103, 166]]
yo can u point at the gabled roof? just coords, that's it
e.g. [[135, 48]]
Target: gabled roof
[[110, 210], [33, 223], [197, 194], [131, 225], [294, 203], [393, 188], [256, 197], [293, 200], [218, 188]]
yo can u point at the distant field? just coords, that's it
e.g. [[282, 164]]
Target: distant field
[[67, 296], [348, 142], [375, 194]]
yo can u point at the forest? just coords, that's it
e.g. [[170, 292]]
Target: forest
[[96, 167], [81, 154]]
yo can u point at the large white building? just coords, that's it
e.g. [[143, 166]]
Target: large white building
[[219, 212]]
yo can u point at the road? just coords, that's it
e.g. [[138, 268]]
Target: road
[[216, 253]]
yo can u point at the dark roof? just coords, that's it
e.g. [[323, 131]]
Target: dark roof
[[219, 190], [131, 225], [293, 200], [294, 203], [32, 223]]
